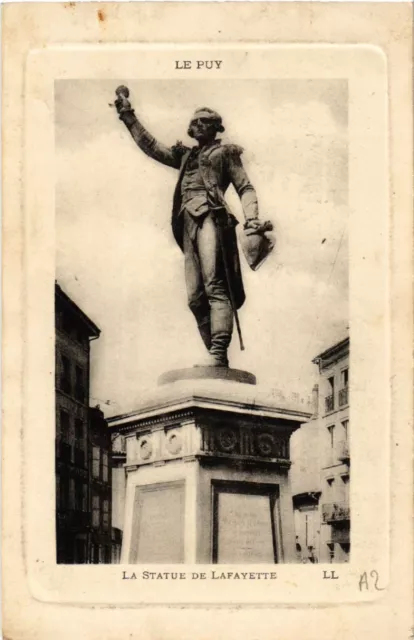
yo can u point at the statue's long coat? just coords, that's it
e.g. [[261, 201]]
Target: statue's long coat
[[220, 165]]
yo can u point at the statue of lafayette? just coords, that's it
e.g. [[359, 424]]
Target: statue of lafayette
[[202, 223]]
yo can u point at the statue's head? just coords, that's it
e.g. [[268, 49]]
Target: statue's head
[[205, 124]]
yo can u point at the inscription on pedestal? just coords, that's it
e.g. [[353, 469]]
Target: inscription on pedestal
[[158, 525], [244, 527]]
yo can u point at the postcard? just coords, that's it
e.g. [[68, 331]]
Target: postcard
[[206, 319]]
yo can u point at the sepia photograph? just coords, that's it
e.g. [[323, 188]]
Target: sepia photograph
[[202, 325], [207, 312]]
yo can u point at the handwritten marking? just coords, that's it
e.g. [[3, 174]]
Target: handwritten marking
[[363, 581]]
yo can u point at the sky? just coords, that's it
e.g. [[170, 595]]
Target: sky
[[117, 259]]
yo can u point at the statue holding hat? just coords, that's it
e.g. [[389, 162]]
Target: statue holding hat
[[202, 223]]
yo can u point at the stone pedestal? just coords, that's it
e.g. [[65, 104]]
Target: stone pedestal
[[208, 475]]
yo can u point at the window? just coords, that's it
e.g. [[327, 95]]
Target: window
[[64, 493], [80, 552], [345, 480], [330, 398], [79, 432], [330, 488], [106, 514], [84, 497], [95, 554], [105, 466], [96, 462], [65, 381], [343, 392], [79, 443], [78, 495], [345, 425], [96, 507], [72, 493], [79, 384], [64, 426], [331, 435]]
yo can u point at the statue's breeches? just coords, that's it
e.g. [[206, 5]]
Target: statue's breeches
[[207, 290]]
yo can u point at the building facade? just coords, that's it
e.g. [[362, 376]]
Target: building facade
[[321, 465], [333, 418], [119, 480], [306, 487], [100, 488], [80, 431]]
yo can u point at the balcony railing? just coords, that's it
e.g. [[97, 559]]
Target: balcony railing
[[335, 512], [329, 403], [343, 397], [343, 451]]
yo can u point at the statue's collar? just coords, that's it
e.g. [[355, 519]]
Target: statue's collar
[[207, 147]]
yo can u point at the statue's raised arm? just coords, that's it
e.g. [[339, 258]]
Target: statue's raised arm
[[149, 145]]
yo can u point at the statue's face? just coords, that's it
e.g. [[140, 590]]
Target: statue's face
[[203, 129]]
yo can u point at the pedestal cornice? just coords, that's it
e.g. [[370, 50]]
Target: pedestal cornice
[[177, 401]]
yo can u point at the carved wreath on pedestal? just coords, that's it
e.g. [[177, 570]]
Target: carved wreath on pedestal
[[250, 442]]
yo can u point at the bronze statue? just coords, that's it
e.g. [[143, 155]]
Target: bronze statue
[[202, 223]]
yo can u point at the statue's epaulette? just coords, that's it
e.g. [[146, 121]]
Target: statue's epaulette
[[233, 149]]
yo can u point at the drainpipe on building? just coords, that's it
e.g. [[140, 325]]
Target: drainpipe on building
[[315, 401]]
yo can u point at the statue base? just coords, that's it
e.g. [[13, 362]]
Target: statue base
[[207, 472], [209, 373]]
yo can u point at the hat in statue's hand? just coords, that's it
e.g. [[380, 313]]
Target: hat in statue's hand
[[257, 242]]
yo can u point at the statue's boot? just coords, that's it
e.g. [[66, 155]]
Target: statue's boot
[[220, 342], [205, 332], [221, 327], [218, 351]]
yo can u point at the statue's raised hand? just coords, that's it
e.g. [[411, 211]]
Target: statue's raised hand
[[122, 103]]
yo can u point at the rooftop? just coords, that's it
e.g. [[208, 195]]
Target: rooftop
[[337, 349], [66, 302]]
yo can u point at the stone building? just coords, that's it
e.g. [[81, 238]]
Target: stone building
[[119, 478], [74, 331], [100, 488], [80, 432], [333, 409], [306, 489], [321, 465]]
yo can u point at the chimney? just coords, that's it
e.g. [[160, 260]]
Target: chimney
[[315, 401]]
